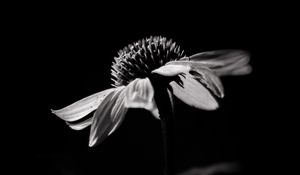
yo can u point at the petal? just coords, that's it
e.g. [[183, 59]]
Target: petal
[[242, 71], [140, 94], [185, 58], [203, 75], [171, 70], [223, 62], [82, 107], [193, 93], [211, 81], [108, 116], [81, 125]]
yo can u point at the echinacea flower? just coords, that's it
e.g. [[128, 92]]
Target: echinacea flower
[[192, 79]]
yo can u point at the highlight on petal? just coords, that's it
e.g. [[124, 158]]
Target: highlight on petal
[[194, 93], [203, 75], [170, 70], [242, 71], [140, 94], [108, 116], [81, 125], [224, 62], [82, 107]]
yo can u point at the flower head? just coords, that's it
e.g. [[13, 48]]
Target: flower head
[[139, 59], [192, 79]]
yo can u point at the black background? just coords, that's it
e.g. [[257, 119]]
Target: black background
[[64, 56]]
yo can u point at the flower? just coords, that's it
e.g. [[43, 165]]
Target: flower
[[192, 79]]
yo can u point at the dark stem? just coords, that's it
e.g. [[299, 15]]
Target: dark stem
[[166, 113], [168, 141]]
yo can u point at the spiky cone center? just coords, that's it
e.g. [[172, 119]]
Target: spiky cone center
[[139, 59]]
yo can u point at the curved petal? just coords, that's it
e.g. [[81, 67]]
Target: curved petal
[[203, 75], [193, 93], [82, 107], [81, 125], [140, 94], [242, 71], [108, 116], [224, 62], [170, 70]]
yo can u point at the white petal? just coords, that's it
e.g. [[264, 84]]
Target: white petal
[[81, 125], [155, 112], [140, 94], [242, 71], [171, 70], [204, 75], [193, 93], [108, 116], [223, 62], [82, 107]]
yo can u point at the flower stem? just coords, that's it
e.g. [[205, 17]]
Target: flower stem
[[168, 141], [164, 104]]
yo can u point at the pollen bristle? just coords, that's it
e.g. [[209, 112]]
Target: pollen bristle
[[137, 60]]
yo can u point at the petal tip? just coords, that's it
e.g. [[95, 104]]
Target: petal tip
[[215, 106], [155, 113], [211, 106], [55, 112], [222, 95], [92, 142]]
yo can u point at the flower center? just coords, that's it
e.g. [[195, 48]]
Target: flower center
[[139, 59]]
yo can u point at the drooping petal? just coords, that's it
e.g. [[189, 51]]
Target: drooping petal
[[81, 125], [82, 107], [237, 68], [203, 75], [224, 62], [170, 70], [108, 116], [211, 81], [193, 93], [242, 71], [140, 94]]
